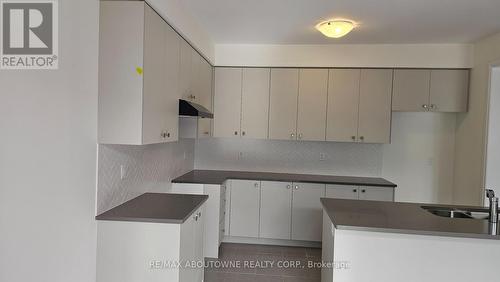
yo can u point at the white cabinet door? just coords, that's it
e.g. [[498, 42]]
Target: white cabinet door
[[120, 83], [411, 90], [185, 57], [283, 104], [376, 194], [205, 99], [343, 103], [195, 74], [449, 90], [255, 103], [375, 106], [154, 97], [227, 102], [245, 201], [275, 209], [311, 115], [198, 243], [171, 78], [307, 211], [188, 248], [342, 192]]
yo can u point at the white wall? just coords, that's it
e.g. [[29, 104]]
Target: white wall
[[183, 22], [346, 55], [420, 157], [48, 159], [148, 168], [471, 127]]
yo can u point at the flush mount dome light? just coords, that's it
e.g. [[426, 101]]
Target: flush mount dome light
[[335, 28]]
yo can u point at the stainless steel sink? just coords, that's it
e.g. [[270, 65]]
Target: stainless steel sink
[[471, 213]]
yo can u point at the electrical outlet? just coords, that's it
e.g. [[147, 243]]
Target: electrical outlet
[[322, 156], [123, 172]]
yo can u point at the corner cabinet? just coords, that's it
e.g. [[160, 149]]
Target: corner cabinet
[[138, 75]]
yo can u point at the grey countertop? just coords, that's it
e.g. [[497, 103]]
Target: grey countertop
[[219, 176], [156, 207], [406, 218]]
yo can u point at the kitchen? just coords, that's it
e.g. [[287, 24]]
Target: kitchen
[[225, 139]]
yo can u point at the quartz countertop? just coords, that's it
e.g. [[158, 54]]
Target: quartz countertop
[[406, 218], [156, 207], [219, 176]]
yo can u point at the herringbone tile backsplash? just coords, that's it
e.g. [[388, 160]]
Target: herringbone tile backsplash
[[149, 168]]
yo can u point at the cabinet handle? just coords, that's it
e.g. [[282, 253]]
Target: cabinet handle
[[199, 214], [300, 136], [296, 187], [355, 190], [236, 133], [195, 217], [292, 135], [353, 138], [256, 184], [168, 134], [362, 138], [206, 132], [163, 134], [288, 187], [243, 133], [432, 107], [425, 106], [363, 191]]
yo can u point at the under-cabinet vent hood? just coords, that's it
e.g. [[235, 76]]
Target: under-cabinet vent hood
[[188, 108]]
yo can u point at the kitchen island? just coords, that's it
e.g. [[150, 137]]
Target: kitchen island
[[390, 242]]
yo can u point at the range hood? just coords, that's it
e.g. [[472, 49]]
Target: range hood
[[190, 109]]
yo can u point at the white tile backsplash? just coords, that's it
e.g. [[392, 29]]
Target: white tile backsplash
[[149, 168], [289, 156]]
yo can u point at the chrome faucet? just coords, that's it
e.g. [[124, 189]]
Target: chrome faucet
[[490, 194]]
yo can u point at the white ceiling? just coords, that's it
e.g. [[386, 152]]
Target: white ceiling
[[380, 21]]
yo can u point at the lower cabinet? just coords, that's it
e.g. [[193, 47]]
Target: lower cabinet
[[370, 193], [342, 192], [307, 211], [245, 205], [191, 247], [376, 194], [275, 210], [214, 217], [139, 251]]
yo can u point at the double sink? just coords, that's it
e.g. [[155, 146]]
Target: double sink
[[470, 213]]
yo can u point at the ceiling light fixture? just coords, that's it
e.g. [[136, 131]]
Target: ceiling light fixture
[[335, 28]]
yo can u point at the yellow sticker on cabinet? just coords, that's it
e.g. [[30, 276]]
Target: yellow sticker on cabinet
[[139, 70]]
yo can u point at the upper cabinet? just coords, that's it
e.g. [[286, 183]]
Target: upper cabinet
[[255, 103], [411, 90], [449, 90], [138, 82], [298, 104], [343, 104], [375, 90], [430, 90], [311, 115], [227, 102], [359, 105], [241, 102], [284, 91]]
